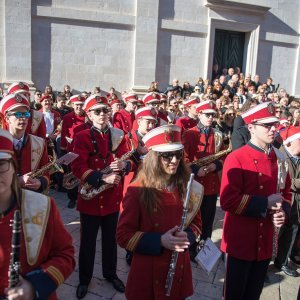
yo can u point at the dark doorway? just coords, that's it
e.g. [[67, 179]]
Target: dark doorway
[[229, 49]]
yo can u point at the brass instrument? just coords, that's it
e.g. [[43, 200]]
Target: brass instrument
[[70, 181], [173, 263], [209, 159], [88, 192], [53, 164]]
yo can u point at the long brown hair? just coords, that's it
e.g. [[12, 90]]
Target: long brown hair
[[153, 179]]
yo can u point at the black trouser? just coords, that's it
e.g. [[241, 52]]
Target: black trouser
[[73, 193], [89, 230], [208, 211], [287, 235], [244, 280]]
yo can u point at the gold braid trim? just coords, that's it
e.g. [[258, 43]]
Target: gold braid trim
[[56, 274], [134, 240], [242, 205], [86, 174]]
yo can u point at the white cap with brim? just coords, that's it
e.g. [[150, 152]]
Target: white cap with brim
[[165, 138]]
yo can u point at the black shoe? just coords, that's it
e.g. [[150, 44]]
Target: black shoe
[[128, 258], [117, 284], [72, 204], [289, 271], [81, 291]]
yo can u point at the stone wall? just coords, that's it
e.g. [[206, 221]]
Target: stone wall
[[129, 43]]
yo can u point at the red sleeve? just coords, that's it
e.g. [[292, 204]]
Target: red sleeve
[[64, 133], [128, 234], [117, 120], [60, 262]]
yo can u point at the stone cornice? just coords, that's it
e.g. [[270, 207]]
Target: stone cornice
[[238, 6], [84, 15]]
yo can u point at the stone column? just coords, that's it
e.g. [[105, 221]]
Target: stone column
[[145, 44], [17, 41]]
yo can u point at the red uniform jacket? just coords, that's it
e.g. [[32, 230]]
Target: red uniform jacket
[[198, 145], [94, 157], [186, 123], [76, 129], [123, 120], [55, 259], [249, 177], [70, 121], [141, 233], [33, 156], [36, 124]]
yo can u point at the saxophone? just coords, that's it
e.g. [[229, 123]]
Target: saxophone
[[70, 181], [15, 265], [88, 192], [209, 159], [173, 263], [52, 164]]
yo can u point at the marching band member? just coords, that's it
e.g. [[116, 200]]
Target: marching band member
[[191, 120], [69, 123], [36, 124], [95, 147], [288, 232], [51, 117], [146, 118], [153, 208], [71, 120], [46, 251], [201, 141], [255, 191], [30, 150], [124, 118]]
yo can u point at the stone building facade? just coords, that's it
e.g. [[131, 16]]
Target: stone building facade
[[129, 43]]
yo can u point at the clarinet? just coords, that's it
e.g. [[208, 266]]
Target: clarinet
[[15, 265], [173, 263]]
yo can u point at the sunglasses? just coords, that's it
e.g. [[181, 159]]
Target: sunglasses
[[231, 114], [97, 112], [268, 125], [20, 115], [278, 111], [168, 156], [208, 115], [39, 94]]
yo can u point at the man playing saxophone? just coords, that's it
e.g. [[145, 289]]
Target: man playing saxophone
[[30, 151], [96, 147], [199, 142], [153, 209]]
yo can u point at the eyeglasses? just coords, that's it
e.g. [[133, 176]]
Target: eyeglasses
[[39, 95], [97, 112], [4, 165], [278, 111], [268, 125], [20, 115], [168, 156], [208, 115]]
